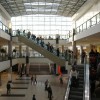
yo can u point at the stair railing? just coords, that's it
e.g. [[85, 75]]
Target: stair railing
[[86, 91], [68, 87]]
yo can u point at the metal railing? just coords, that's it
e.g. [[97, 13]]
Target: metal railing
[[68, 87], [86, 92], [89, 23], [86, 89]]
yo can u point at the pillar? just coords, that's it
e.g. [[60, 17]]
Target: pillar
[[10, 57], [81, 48], [0, 79], [68, 67], [49, 67], [57, 41], [27, 61], [0, 52], [20, 50], [74, 49], [62, 50], [55, 69]]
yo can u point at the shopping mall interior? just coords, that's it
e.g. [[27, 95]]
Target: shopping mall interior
[[49, 49]]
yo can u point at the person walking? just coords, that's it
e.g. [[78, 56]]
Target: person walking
[[46, 85], [32, 79], [35, 79], [8, 87], [49, 92], [33, 97], [61, 80]]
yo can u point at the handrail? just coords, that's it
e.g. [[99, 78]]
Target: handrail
[[45, 37], [68, 87], [95, 16], [86, 92]]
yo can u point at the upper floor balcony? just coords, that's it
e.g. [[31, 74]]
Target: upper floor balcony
[[88, 32]]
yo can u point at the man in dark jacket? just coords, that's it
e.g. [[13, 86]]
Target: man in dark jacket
[[33, 97], [49, 92], [8, 88]]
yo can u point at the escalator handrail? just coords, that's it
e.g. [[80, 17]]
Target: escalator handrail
[[86, 92], [68, 87]]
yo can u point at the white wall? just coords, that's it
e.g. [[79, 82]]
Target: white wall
[[4, 65], [91, 8], [4, 35], [5, 18], [33, 60]]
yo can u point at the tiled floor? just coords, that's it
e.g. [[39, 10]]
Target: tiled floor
[[38, 89]]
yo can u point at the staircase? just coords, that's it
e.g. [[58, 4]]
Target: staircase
[[58, 60], [76, 93]]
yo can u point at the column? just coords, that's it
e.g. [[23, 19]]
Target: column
[[0, 52], [20, 50], [81, 48], [62, 50], [49, 67], [10, 57], [27, 61], [57, 69], [57, 41], [68, 67], [74, 49], [0, 79]]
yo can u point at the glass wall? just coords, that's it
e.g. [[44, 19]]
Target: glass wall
[[43, 24]]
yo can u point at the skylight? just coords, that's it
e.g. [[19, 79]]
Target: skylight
[[42, 3], [41, 10]]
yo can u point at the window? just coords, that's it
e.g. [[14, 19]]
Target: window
[[43, 24]]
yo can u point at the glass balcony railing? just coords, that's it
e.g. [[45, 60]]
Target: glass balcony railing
[[4, 27], [88, 24]]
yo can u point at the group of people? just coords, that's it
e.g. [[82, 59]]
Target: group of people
[[40, 41], [74, 76], [94, 62], [47, 87], [33, 79]]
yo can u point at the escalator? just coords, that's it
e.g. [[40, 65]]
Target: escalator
[[82, 91], [52, 56], [76, 93]]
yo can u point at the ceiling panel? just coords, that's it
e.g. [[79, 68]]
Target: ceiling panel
[[57, 7]]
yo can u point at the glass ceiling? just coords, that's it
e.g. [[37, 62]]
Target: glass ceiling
[[47, 7]]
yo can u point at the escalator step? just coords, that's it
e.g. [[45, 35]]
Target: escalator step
[[81, 75], [81, 78], [77, 89], [75, 97], [76, 93]]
